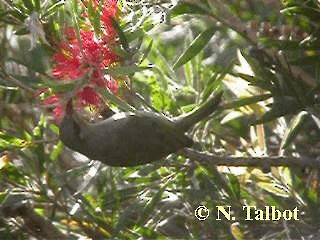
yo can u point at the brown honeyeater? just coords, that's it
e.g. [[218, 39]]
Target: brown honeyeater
[[131, 138]]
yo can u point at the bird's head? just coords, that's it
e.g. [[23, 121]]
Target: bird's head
[[71, 127]]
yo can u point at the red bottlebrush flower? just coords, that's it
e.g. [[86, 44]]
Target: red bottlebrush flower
[[52, 100], [88, 55], [73, 61], [89, 96], [113, 86], [58, 112], [109, 11]]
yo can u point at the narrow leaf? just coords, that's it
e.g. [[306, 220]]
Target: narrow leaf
[[37, 5], [245, 101], [315, 114], [56, 151], [195, 47], [22, 31], [281, 44], [293, 129], [9, 142], [151, 206], [311, 13], [146, 52], [61, 86], [186, 8], [122, 36], [53, 8], [97, 24], [255, 81], [215, 81], [28, 4], [125, 70], [309, 60], [115, 100]]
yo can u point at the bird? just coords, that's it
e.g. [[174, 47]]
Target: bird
[[131, 138]]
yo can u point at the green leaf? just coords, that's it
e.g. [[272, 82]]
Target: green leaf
[[147, 51], [274, 188], [122, 36], [315, 114], [125, 70], [160, 100], [62, 86], [255, 81], [75, 17], [53, 8], [152, 204], [22, 31], [13, 173], [36, 65], [293, 129], [17, 14], [163, 68], [309, 60], [271, 115], [245, 101], [234, 186], [312, 13], [94, 18], [195, 47], [215, 81], [187, 8], [97, 24], [91, 11], [54, 128], [9, 88], [282, 105], [115, 100], [269, 80], [28, 4], [37, 5], [121, 52], [9, 142], [56, 151], [125, 219], [281, 44], [134, 34]]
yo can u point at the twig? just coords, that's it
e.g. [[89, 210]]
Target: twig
[[16, 82], [233, 22], [263, 162], [35, 224], [44, 141]]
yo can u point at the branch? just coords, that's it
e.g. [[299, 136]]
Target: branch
[[263, 162], [16, 82], [36, 225], [232, 21]]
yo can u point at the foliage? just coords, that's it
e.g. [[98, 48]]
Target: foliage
[[171, 56]]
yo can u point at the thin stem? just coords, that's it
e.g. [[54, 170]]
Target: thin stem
[[263, 162], [7, 77]]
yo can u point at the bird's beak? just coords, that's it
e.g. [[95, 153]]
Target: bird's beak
[[69, 108]]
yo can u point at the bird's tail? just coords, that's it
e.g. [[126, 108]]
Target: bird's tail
[[186, 121]]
